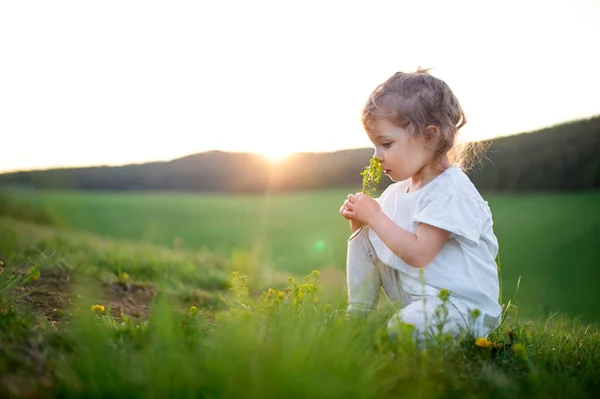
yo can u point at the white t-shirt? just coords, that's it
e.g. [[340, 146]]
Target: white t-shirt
[[466, 265]]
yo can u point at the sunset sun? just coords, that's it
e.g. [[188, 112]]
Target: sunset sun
[[275, 155]]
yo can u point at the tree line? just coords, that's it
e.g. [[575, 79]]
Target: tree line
[[561, 157]]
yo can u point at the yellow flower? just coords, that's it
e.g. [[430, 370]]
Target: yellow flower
[[444, 294], [519, 350], [482, 342], [124, 276], [32, 275], [98, 309], [193, 309]]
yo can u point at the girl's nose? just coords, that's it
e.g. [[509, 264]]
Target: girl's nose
[[377, 155]]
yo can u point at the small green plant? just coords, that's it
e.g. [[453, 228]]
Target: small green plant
[[12, 276], [370, 177]]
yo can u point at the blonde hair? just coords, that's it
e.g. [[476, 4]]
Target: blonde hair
[[417, 100]]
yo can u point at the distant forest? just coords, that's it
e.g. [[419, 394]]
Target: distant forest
[[561, 157]]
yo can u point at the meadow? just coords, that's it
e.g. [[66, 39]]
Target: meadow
[[550, 240], [113, 318], [83, 314]]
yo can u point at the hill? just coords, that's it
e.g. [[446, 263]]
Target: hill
[[562, 157]]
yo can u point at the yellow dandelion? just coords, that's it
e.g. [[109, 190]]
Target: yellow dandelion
[[193, 309], [98, 309], [124, 276], [519, 350], [482, 342]]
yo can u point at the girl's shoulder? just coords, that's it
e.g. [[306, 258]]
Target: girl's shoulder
[[451, 202], [454, 186], [454, 181]]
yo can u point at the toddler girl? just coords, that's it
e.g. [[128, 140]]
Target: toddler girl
[[432, 219]]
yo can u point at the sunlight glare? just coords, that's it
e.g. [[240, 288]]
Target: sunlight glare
[[276, 155]]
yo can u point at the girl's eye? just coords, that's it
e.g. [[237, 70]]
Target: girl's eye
[[386, 145]]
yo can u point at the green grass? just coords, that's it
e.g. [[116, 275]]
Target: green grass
[[300, 232], [236, 344], [548, 239]]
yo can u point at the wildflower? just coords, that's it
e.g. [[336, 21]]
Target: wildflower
[[97, 309], [519, 350], [482, 342], [193, 309], [371, 176], [33, 274], [124, 276], [444, 294], [310, 288]]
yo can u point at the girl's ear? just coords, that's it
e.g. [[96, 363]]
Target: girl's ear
[[431, 133]]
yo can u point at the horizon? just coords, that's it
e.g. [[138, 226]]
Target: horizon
[[169, 80], [276, 160]]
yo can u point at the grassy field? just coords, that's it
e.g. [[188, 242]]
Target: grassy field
[[115, 318], [551, 240]]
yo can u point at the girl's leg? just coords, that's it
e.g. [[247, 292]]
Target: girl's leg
[[392, 284], [363, 277]]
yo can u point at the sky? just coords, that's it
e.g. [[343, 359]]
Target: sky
[[114, 82]]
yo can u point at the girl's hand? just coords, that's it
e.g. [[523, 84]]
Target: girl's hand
[[344, 211], [361, 207]]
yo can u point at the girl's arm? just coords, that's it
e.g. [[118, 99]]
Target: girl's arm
[[415, 249]]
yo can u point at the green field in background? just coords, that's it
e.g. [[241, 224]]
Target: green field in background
[[551, 240]]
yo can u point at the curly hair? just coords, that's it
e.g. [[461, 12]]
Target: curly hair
[[415, 101]]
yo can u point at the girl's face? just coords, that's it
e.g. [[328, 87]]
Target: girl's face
[[401, 155]]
